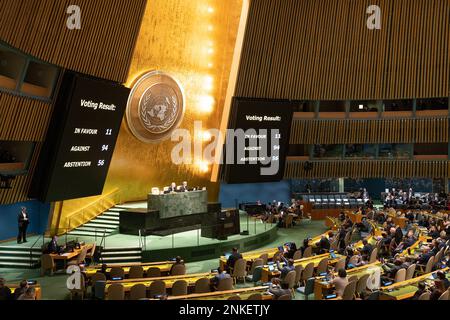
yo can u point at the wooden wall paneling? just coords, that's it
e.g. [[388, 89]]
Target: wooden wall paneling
[[102, 47], [368, 169], [333, 56]]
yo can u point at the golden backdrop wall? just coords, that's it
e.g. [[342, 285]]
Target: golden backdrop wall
[[194, 42]]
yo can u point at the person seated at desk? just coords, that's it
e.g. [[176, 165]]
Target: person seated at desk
[[392, 268], [364, 225], [29, 294], [5, 292], [424, 256], [435, 293], [172, 188], [184, 187], [221, 275], [433, 232], [234, 256], [278, 289], [367, 248], [23, 286], [53, 246], [422, 289], [339, 282], [348, 224], [442, 281], [292, 249], [305, 245], [324, 244], [288, 267], [178, 260], [341, 217]]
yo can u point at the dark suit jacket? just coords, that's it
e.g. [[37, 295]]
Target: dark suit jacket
[[53, 247], [232, 259], [21, 220]]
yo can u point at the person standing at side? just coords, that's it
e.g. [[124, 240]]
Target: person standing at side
[[23, 221]]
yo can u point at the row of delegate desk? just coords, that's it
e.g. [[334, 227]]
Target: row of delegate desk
[[406, 289], [163, 266]]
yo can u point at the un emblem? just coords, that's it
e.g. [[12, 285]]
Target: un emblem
[[155, 107]]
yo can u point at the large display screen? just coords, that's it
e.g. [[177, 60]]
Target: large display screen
[[80, 142], [257, 140]]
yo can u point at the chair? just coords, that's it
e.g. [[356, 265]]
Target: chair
[[136, 272], [298, 274], [202, 286], [307, 253], [400, 275], [80, 258], [257, 274], [288, 221], [425, 296], [297, 255], [157, 288], [373, 255], [116, 272], [179, 288], [444, 296], [353, 260], [178, 270], [255, 296], [410, 271], [97, 277], [285, 297], [239, 270], [81, 291], [116, 292], [340, 264], [348, 238], [428, 267], [138, 291], [335, 244], [308, 289], [225, 284], [153, 272], [290, 280], [99, 289], [323, 266], [235, 297], [90, 254], [94, 279], [47, 264], [361, 285], [353, 278], [307, 272], [438, 257], [256, 263], [349, 291], [264, 257]]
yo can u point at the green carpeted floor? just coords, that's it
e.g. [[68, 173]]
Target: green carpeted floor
[[54, 287]]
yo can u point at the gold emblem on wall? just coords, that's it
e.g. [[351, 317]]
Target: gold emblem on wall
[[155, 107]]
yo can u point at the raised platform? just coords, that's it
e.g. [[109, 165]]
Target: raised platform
[[192, 246], [189, 244]]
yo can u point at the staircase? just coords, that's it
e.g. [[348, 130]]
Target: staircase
[[113, 256], [19, 257], [107, 222]]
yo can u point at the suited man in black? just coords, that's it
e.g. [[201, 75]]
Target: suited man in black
[[173, 187], [235, 256], [23, 221], [184, 187]]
